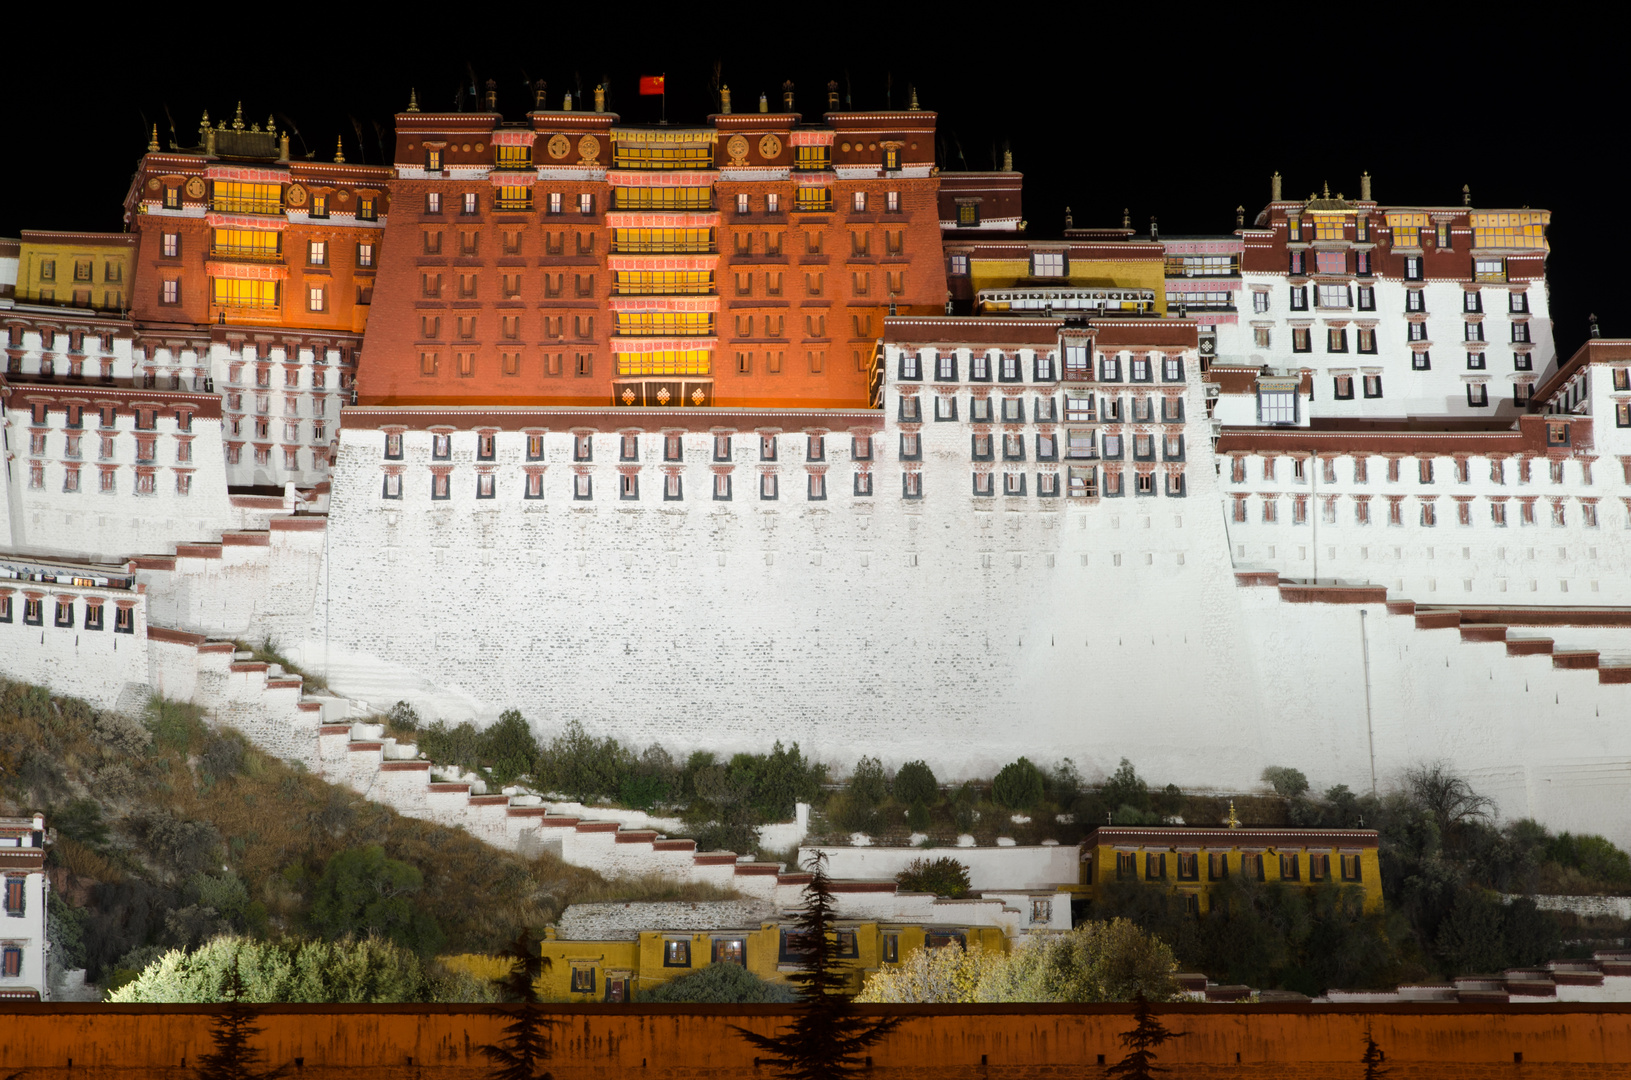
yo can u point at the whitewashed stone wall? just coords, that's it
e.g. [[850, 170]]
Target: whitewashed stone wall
[[286, 399], [96, 665], [1040, 867]]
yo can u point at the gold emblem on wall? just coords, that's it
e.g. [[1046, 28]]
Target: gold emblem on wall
[[559, 147], [588, 150], [296, 195], [195, 188], [153, 183], [737, 148], [770, 147]]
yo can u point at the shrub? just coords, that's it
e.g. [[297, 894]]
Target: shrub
[[1064, 783], [579, 765], [1287, 783], [851, 813], [915, 783], [1018, 786], [175, 725], [944, 876], [868, 784], [964, 812], [222, 756], [721, 984], [351, 971], [1591, 855], [508, 746], [459, 746], [918, 818], [1125, 788], [363, 892]]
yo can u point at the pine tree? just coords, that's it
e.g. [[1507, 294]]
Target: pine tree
[[233, 1058], [525, 1047], [827, 1037], [1373, 1059], [1147, 1034]]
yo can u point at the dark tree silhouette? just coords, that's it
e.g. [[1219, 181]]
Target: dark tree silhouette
[[525, 1047], [1147, 1034], [1373, 1059], [827, 1038], [233, 1058]]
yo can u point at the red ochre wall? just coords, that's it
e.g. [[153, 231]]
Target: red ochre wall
[[1443, 1042]]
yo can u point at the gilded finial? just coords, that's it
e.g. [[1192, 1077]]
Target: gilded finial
[[600, 98], [339, 151], [913, 107], [153, 143], [413, 99], [724, 99], [1327, 190], [1007, 159], [764, 104], [566, 104], [1126, 218], [238, 118], [1274, 187], [1232, 821]]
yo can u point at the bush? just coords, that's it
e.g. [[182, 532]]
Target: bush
[[363, 892], [1125, 788], [918, 818], [1018, 786], [581, 766], [915, 783], [944, 876], [508, 746], [868, 784], [1287, 783], [222, 756], [852, 813], [1064, 783], [721, 984], [459, 746], [1592, 855], [351, 971], [964, 808]]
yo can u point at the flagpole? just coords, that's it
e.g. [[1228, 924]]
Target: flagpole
[[665, 98]]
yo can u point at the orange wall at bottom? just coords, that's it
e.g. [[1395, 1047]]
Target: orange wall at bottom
[[1445, 1042]]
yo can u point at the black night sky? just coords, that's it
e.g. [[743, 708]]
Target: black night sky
[[1179, 118]]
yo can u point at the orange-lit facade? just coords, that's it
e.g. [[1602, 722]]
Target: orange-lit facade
[[571, 260]]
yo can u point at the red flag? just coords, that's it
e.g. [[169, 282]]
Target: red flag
[[651, 84]]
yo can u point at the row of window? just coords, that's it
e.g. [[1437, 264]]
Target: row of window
[[1009, 367], [34, 609], [258, 295], [291, 456], [267, 244], [147, 482], [146, 447], [1078, 408], [84, 270], [1428, 515], [1343, 297], [1078, 483], [1425, 469], [583, 447], [1492, 271], [74, 416], [1187, 866]]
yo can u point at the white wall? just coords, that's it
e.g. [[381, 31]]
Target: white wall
[[1040, 867]]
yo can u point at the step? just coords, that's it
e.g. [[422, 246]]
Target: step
[[1401, 607], [1437, 620], [1482, 632], [1575, 658], [1257, 578], [1528, 646], [1614, 673]]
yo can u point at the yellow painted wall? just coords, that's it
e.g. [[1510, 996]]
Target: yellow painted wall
[[1103, 869], [108, 292], [1084, 273]]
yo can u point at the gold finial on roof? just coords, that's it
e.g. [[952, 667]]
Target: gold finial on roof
[[413, 99], [724, 99], [1126, 218], [153, 143], [1327, 190], [764, 103], [1007, 159], [1274, 187], [913, 107], [238, 118], [339, 151], [271, 122], [1232, 821], [1364, 187], [600, 98], [566, 103]]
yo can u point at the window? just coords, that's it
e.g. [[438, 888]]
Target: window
[[767, 486], [1518, 303], [1349, 866], [1343, 388], [468, 205], [959, 265], [909, 367], [1155, 867], [392, 487], [1126, 866], [676, 953], [859, 201], [861, 448], [1189, 866], [1217, 866], [583, 486], [863, 482], [1477, 393], [1260, 301], [485, 485], [1334, 296], [1489, 270], [722, 486], [911, 446], [911, 485], [1172, 369], [317, 253], [171, 246], [583, 979], [1336, 340], [1277, 406], [1367, 298], [586, 204], [441, 486], [1299, 298], [1048, 264], [1373, 386], [817, 488], [11, 956], [1289, 868], [1301, 339], [1109, 368], [968, 214], [170, 292], [734, 951], [316, 298], [891, 201]]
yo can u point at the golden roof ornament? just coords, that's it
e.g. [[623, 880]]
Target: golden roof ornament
[[764, 103], [339, 151], [1232, 821], [153, 142], [566, 104], [1007, 159], [600, 98], [913, 107], [238, 118], [1364, 187], [725, 99], [413, 99], [1274, 187]]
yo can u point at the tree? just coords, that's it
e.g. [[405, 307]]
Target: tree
[[1125, 788], [869, 783], [1449, 798], [1018, 786], [1147, 1034], [362, 892], [1096, 962], [509, 747], [1287, 783], [721, 984], [944, 876], [520, 1054], [827, 1037], [1372, 1059], [915, 783], [233, 1058], [943, 976]]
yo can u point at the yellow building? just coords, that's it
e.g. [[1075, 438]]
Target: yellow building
[[72, 269], [1192, 861], [626, 969], [1094, 272]]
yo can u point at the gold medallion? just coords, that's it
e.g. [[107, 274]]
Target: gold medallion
[[737, 148], [195, 188], [588, 150], [559, 147], [770, 147]]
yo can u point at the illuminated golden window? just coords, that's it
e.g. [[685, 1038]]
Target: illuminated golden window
[[665, 323], [668, 362], [663, 156], [514, 157], [663, 241], [1407, 229], [1329, 226], [813, 198], [663, 283], [811, 157], [663, 198], [1525, 229], [235, 292], [513, 197], [232, 197]]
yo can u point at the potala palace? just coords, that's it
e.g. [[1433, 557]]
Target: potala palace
[[768, 428]]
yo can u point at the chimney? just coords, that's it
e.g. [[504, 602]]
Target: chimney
[[1274, 188], [1364, 187], [1466, 194], [1240, 217], [1592, 320], [787, 94], [764, 103], [1155, 233], [725, 99], [600, 98], [540, 91], [832, 96], [491, 97]]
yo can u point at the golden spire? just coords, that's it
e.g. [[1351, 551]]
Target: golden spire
[[413, 99], [339, 151], [1327, 194], [724, 99], [153, 143], [1232, 821], [238, 118], [913, 107], [600, 98]]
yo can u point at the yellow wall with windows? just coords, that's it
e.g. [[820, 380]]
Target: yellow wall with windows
[[65, 270], [1103, 868], [643, 961], [1083, 273]]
